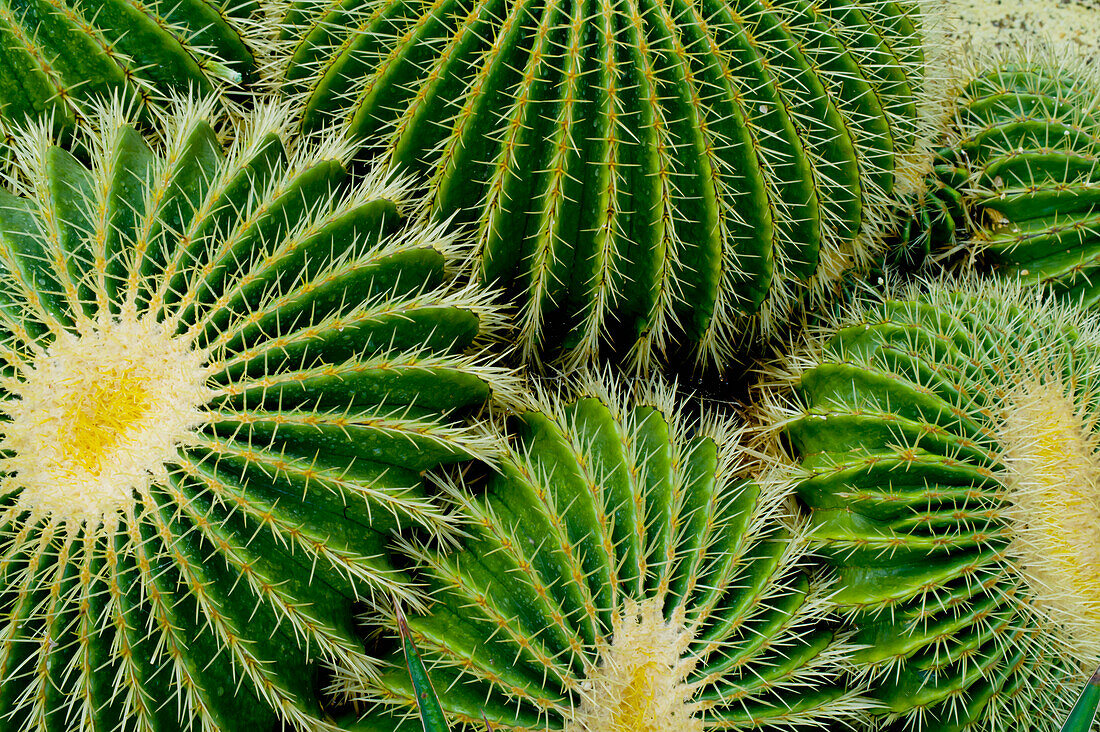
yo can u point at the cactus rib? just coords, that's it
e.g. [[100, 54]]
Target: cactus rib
[[945, 437], [222, 376], [639, 173]]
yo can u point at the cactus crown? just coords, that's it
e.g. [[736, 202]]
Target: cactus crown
[[222, 376], [95, 416], [947, 444], [642, 682], [622, 572], [1053, 479]]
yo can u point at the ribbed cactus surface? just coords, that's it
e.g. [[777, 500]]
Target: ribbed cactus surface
[[57, 54], [1029, 130], [621, 573], [221, 379], [947, 446], [641, 175], [935, 221]]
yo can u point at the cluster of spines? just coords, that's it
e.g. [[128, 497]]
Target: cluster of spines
[[895, 421], [1021, 162], [612, 505], [934, 226], [338, 361], [638, 174], [60, 54]]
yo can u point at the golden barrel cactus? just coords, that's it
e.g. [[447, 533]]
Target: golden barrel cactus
[[624, 569], [946, 442], [222, 377]]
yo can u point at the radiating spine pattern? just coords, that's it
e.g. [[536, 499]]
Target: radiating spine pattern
[[946, 439], [640, 175], [621, 571], [222, 376], [56, 55]]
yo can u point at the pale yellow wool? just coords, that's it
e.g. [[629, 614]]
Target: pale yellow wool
[[640, 684], [97, 415], [1054, 481]]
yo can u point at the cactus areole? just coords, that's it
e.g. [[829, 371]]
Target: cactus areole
[[637, 173], [622, 573], [1028, 132], [948, 439], [221, 380], [57, 55]]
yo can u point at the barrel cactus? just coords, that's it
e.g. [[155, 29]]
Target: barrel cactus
[[946, 440], [222, 378], [934, 227], [55, 55], [640, 176], [621, 571], [1029, 133]]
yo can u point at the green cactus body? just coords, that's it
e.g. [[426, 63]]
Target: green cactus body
[[55, 55], [620, 573], [947, 442], [935, 224], [221, 380], [636, 173], [1029, 131]]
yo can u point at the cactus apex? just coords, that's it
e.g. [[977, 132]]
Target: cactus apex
[[224, 373], [942, 435]]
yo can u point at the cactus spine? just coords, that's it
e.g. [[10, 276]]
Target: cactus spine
[[1028, 136], [221, 379], [947, 445], [935, 223], [55, 55], [620, 572], [638, 174]]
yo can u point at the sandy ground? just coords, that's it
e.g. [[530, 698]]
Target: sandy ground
[[985, 23]]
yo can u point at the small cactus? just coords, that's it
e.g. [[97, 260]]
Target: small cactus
[[642, 177], [222, 377], [620, 572], [1029, 134], [56, 55], [947, 439], [934, 225]]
